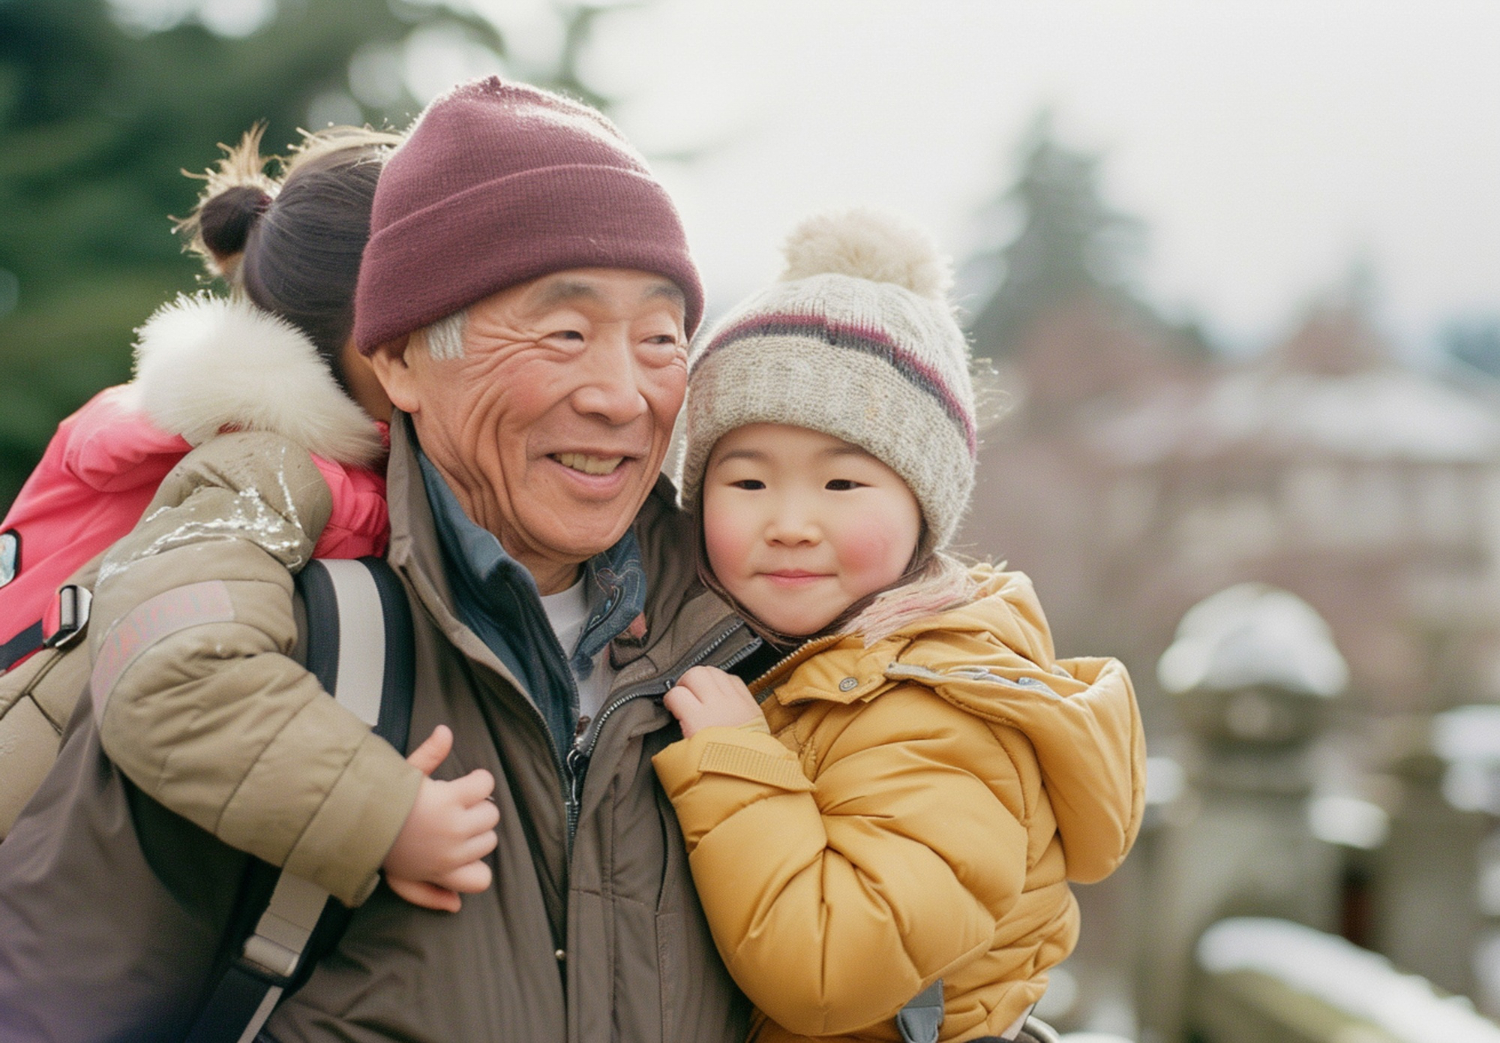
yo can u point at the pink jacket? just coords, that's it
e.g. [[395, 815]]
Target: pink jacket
[[203, 365]]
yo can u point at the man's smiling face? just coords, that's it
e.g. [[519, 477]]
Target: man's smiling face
[[552, 427]]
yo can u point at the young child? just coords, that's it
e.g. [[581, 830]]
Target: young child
[[921, 775], [288, 424], [269, 358]]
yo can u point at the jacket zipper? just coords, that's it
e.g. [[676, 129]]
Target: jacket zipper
[[577, 761], [761, 689]]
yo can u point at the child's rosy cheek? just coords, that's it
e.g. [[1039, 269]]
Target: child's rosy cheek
[[876, 548], [725, 547]]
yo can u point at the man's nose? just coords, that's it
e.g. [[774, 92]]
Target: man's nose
[[611, 385]]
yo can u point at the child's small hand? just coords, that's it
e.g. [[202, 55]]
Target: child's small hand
[[450, 829], [706, 696]]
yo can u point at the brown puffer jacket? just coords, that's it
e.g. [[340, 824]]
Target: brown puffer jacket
[[915, 814], [590, 938]]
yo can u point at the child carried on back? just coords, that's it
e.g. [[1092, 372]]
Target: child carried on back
[[898, 805], [252, 428]]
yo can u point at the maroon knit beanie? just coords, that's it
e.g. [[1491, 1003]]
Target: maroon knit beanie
[[499, 183]]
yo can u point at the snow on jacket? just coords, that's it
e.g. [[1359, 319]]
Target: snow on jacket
[[203, 365], [588, 933], [915, 814]]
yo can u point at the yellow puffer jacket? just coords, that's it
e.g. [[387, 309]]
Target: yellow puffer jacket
[[915, 814]]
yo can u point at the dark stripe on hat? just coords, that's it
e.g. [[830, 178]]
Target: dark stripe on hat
[[854, 338]]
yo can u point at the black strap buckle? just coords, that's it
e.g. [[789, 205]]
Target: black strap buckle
[[73, 604]]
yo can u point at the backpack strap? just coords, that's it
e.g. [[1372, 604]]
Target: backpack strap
[[359, 640], [21, 646], [359, 646]]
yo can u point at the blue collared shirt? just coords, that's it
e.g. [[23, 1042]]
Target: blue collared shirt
[[497, 598]]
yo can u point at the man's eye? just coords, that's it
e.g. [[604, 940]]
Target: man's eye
[[841, 485], [566, 335], [749, 483], [669, 339]]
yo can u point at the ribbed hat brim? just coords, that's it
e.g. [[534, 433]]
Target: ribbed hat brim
[[486, 237]]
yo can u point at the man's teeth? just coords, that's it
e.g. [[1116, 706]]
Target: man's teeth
[[589, 464]]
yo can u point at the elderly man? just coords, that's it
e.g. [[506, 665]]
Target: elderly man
[[526, 298]]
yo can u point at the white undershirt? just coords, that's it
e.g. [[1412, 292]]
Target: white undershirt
[[568, 611]]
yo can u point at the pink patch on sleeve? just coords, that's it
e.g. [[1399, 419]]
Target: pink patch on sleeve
[[169, 612]]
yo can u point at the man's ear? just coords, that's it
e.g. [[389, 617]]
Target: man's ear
[[392, 365]]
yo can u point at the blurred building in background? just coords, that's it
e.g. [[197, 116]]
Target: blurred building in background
[[1138, 475]]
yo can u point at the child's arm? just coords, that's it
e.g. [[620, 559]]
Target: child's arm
[[888, 871], [199, 699], [440, 850]]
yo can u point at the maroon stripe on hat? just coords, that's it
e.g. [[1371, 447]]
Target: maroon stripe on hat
[[864, 339]]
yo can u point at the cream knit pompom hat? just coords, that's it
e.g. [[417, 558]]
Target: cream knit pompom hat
[[857, 340]]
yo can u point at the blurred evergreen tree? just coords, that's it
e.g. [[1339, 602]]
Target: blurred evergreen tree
[[579, 19], [1069, 242], [1475, 341], [99, 117]]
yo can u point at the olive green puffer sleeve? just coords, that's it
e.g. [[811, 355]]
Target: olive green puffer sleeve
[[199, 699]]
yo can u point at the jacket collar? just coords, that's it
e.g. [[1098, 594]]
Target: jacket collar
[[614, 581], [206, 364], [842, 669]]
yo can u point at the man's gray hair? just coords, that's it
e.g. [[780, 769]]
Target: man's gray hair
[[445, 338]]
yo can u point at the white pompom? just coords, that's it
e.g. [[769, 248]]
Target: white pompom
[[869, 244]]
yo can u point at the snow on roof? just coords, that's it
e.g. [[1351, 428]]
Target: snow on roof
[[1357, 981], [1467, 733], [1468, 738], [1377, 414], [1253, 634]]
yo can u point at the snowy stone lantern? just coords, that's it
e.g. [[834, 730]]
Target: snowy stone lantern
[[1253, 671], [1253, 666], [1466, 740]]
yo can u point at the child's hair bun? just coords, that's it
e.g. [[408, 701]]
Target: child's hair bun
[[236, 192], [869, 244], [225, 220]]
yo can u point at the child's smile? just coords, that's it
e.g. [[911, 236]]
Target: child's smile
[[794, 577]]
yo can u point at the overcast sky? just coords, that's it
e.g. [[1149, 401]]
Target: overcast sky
[[1269, 145]]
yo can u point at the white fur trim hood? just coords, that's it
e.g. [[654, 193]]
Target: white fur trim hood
[[205, 363]]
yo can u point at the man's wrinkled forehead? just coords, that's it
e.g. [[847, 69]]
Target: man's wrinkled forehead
[[585, 286]]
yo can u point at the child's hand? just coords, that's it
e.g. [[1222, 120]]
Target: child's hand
[[706, 696], [448, 832]]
